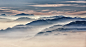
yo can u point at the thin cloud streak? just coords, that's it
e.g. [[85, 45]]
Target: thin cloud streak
[[57, 5], [53, 5], [76, 1]]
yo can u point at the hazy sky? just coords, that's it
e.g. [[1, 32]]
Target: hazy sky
[[43, 7]]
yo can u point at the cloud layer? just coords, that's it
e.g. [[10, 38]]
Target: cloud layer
[[43, 7]]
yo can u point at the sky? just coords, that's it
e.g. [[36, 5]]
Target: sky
[[43, 7]]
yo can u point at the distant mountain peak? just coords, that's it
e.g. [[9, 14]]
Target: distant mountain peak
[[3, 14], [23, 14]]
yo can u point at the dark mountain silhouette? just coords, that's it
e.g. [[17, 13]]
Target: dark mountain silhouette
[[23, 14], [3, 14], [78, 23]]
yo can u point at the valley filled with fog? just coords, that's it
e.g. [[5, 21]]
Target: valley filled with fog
[[42, 31]]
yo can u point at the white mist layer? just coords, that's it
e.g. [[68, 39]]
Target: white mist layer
[[71, 40]]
